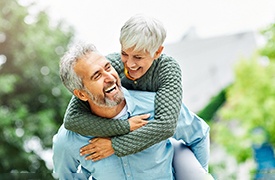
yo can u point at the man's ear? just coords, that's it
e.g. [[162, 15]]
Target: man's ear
[[158, 52], [80, 94]]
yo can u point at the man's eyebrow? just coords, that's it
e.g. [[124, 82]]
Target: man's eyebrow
[[108, 64]]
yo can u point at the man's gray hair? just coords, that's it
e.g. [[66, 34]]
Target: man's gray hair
[[67, 74], [143, 33]]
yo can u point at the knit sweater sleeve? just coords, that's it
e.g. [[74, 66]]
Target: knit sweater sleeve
[[78, 116], [167, 107]]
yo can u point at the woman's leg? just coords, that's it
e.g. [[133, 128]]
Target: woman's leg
[[186, 165]]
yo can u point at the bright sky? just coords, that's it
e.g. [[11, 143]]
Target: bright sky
[[99, 21]]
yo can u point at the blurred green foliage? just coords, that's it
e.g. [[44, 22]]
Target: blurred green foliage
[[248, 116], [33, 99], [269, 34]]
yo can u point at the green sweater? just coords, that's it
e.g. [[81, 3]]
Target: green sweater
[[164, 78]]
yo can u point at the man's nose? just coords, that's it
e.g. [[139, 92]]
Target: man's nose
[[109, 77]]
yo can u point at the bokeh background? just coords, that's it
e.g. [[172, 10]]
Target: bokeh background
[[225, 48]]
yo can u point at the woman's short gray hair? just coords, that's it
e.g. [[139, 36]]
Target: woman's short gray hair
[[66, 67], [143, 33]]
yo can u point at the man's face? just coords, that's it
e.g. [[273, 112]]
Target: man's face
[[101, 82], [136, 63]]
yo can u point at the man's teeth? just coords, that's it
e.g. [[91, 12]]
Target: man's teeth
[[108, 90]]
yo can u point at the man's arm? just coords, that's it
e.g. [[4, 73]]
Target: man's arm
[[194, 131], [65, 166]]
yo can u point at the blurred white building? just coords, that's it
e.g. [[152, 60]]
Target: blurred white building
[[208, 63]]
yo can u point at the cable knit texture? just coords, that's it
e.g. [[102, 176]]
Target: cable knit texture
[[164, 78]]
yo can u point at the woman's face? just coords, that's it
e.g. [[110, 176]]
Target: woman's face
[[137, 63]]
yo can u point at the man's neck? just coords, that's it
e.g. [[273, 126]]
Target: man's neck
[[107, 112]]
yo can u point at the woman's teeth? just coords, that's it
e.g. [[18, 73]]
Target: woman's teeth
[[134, 69]]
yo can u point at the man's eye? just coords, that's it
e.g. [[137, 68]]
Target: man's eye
[[108, 68], [97, 76]]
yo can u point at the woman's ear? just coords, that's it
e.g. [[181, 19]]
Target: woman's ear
[[158, 52], [80, 94]]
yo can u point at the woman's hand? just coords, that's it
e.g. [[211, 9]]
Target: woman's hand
[[138, 121]]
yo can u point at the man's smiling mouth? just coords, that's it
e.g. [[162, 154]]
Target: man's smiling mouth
[[110, 89]]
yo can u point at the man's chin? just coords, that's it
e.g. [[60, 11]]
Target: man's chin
[[114, 99], [113, 103]]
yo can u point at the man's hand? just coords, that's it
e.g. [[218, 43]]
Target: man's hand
[[138, 121], [98, 149]]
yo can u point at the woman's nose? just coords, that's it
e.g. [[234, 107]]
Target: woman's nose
[[130, 63]]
